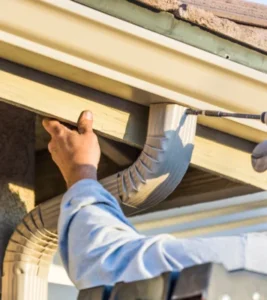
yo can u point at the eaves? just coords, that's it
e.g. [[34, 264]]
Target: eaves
[[94, 49]]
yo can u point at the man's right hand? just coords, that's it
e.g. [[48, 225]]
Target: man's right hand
[[259, 157], [76, 153]]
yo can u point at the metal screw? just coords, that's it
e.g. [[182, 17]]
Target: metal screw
[[256, 296], [226, 297]]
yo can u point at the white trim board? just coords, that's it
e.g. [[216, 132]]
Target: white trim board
[[141, 66]]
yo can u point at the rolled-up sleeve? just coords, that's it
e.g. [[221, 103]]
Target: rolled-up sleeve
[[99, 246]]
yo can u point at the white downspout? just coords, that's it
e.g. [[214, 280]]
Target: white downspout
[[156, 173], [162, 163]]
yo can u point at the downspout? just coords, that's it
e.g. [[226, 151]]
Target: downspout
[[156, 173], [163, 162], [29, 254]]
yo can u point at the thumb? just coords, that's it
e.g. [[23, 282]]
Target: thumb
[[85, 122]]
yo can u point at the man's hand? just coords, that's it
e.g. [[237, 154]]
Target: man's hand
[[76, 153], [259, 157]]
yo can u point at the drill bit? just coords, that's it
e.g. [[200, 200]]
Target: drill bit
[[219, 114]]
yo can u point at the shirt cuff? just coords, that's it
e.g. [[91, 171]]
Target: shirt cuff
[[79, 189]]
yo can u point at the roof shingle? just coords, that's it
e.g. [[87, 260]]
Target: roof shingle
[[218, 16]]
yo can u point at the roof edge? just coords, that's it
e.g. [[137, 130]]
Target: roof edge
[[133, 75]]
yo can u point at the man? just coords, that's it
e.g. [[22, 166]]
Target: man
[[97, 243]]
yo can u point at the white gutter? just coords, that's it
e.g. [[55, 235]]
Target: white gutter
[[225, 217], [77, 43]]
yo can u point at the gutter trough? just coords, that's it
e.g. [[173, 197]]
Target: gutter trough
[[76, 43]]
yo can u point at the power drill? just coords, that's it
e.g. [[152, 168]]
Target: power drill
[[259, 154]]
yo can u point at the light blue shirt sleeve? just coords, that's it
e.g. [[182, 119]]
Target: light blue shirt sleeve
[[99, 246]]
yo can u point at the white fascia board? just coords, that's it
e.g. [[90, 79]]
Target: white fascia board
[[80, 44]]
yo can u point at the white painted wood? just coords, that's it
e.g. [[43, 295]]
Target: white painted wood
[[121, 120], [229, 216], [182, 74]]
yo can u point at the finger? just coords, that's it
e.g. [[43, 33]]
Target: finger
[[85, 122], [53, 127], [51, 147], [259, 157]]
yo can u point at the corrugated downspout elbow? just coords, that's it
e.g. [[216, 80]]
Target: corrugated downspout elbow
[[162, 163], [156, 173]]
